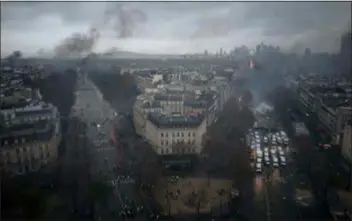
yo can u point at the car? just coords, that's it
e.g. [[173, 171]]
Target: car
[[283, 134], [272, 151], [267, 159], [258, 170], [259, 153], [281, 153], [275, 160], [282, 159]]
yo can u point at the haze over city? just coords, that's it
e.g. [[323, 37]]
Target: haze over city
[[174, 27], [184, 111]]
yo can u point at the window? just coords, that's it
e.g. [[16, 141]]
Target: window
[[162, 151], [178, 134], [193, 141], [194, 134], [167, 150], [189, 134], [162, 134], [162, 142], [178, 141], [182, 134], [166, 142], [189, 141], [166, 134], [173, 141], [173, 134]]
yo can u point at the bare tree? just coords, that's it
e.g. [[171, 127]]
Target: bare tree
[[241, 166]]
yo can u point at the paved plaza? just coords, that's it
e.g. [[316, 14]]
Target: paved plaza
[[185, 195]]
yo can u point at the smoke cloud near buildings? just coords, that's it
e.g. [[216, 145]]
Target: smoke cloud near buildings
[[122, 21]]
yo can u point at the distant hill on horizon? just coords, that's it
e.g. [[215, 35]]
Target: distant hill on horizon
[[108, 55]]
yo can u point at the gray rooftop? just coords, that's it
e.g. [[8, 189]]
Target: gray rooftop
[[175, 121], [43, 134], [170, 97], [151, 104], [195, 104]]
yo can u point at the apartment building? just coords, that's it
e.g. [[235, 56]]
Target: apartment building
[[166, 132], [224, 90], [194, 107], [346, 149], [332, 105], [172, 103], [33, 112], [141, 110], [29, 147], [148, 81]]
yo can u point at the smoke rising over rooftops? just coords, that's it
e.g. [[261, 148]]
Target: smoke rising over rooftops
[[121, 20]]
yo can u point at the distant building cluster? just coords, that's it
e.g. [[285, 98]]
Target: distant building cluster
[[29, 127], [331, 99], [177, 105]]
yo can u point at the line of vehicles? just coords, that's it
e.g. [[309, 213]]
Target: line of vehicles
[[267, 148]]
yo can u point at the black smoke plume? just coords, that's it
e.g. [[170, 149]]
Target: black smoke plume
[[77, 44], [124, 20]]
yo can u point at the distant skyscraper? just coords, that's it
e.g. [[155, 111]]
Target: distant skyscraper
[[307, 52], [257, 49], [221, 52], [345, 47]]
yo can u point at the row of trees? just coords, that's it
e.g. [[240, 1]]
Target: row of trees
[[227, 133], [118, 89], [309, 163]]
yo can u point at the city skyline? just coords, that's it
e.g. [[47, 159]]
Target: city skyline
[[177, 27]]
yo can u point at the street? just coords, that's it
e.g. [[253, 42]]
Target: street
[[270, 194], [104, 156]]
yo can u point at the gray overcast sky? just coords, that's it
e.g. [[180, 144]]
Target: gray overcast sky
[[179, 27]]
